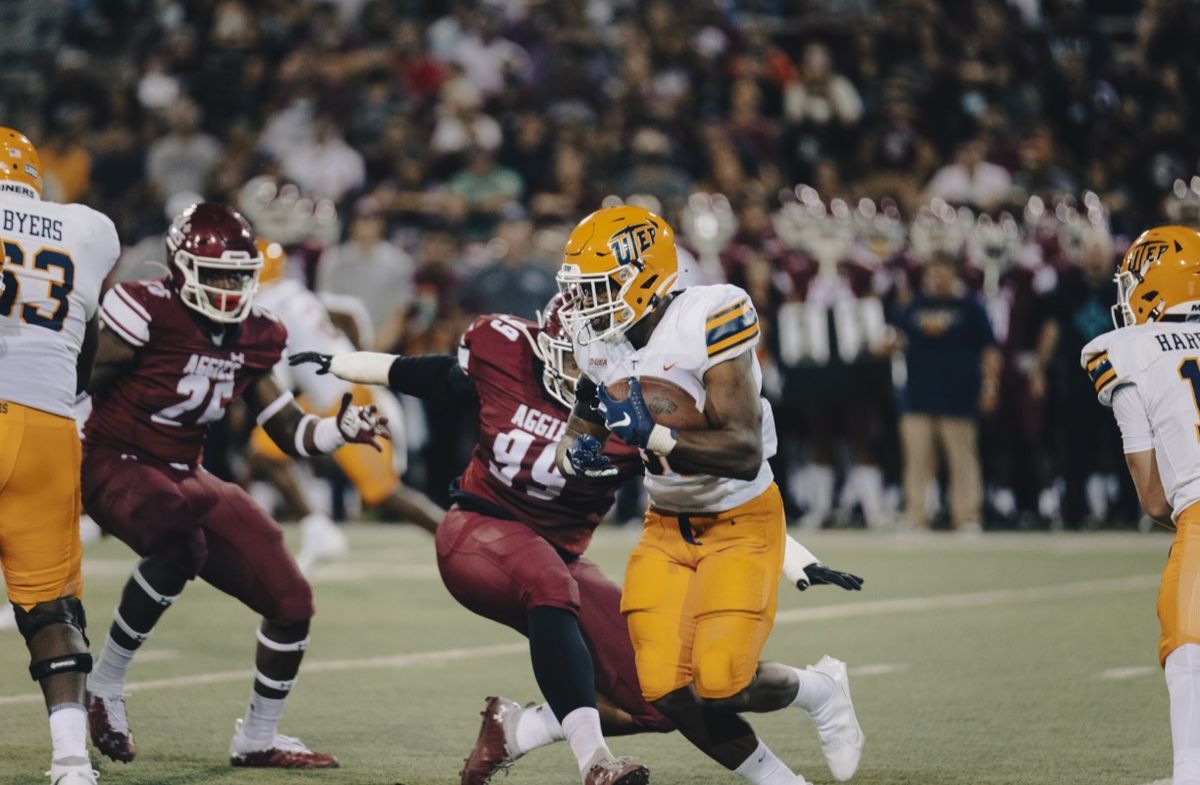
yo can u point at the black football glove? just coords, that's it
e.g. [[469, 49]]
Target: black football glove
[[317, 358], [820, 575]]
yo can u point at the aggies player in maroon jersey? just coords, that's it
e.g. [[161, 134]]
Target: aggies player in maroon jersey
[[511, 548], [172, 354]]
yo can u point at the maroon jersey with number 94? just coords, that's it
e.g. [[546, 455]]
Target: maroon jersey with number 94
[[519, 427], [182, 380]]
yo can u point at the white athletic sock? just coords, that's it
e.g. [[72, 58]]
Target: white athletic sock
[[815, 690], [1183, 684], [763, 768], [868, 484], [68, 731], [108, 677], [536, 727], [821, 480], [582, 728], [262, 719]]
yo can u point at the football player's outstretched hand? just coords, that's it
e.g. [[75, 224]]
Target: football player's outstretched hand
[[586, 458], [820, 575], [316, 358], [629, 419], [361, 424]]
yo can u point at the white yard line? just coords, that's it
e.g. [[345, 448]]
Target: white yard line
[[337, 572], [1132, 672], [878, 607], [883, 669], [969, 600]]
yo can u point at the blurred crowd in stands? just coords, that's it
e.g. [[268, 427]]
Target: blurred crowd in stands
[[926, 200]]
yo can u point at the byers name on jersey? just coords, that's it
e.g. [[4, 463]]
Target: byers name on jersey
[[33, 225], [537, 423], [215, 367]]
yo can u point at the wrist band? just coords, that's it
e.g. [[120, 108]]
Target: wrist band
[[327, 437], [301, 428], [662, 440]]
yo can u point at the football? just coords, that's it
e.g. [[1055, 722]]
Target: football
[[669, 404]]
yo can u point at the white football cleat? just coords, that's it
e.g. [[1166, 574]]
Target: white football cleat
[[283, 752], [8, 616], [90, 532], [321, 540], [72, 774], [841, 737]]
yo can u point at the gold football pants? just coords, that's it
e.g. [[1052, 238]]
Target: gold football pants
[[40, 550], [700, 592]]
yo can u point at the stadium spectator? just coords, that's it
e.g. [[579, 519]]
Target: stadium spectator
[[519, 281], [971, 180], [953, 375], [1078, 311], [326, 167], [653, 172], [67, 164], [822, 108], [481, 192], [372, 269], [183, 158]]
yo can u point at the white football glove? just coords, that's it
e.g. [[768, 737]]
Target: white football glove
[[361, 424]]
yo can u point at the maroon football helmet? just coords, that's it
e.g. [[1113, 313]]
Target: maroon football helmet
[[560, 374], [214, 261]]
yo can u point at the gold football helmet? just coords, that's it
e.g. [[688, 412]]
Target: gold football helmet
[[1159, 276], [19, 160], [617, 265], [274, 266]]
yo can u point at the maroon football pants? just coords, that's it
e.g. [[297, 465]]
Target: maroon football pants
[[501, 569], [199, 525]]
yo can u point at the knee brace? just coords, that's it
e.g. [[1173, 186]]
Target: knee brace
[[64, 610], [80, 663]]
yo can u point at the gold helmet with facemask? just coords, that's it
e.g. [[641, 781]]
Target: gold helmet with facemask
[[618, 264], [1159, 277]]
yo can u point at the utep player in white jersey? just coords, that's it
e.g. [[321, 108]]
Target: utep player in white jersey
[[55, 258], [700, 588], [1148, 371], [374, 474]]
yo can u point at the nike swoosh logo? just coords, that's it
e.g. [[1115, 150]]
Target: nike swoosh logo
[[669, 367], [762, 757], [626, 420]]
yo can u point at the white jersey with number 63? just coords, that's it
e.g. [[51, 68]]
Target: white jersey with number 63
[[56, 257]]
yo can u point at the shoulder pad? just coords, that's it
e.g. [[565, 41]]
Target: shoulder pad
[[730, 322], [498, 340], [128, 309]]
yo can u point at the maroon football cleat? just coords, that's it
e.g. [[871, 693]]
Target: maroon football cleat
[[285, 752], [110, 726], [605, 769], [492, 751]]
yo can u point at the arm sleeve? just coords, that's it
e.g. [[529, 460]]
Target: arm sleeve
[[587, 401], [432, 376], [1137, 434]]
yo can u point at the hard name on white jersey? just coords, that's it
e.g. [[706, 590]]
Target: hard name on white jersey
[[215, 367], [1174, 342], [537, 423], [32, 225]]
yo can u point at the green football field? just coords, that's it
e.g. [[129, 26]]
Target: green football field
[[1006, 659]]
